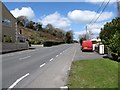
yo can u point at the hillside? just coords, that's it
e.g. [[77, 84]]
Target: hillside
[[38, 37]]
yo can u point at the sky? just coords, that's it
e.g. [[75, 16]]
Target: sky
[[66, 15]]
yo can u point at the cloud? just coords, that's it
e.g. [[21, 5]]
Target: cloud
[[56, 20], [95, 29], [24, 11], [86, 16], [96, 26]]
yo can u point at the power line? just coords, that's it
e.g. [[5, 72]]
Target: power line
[[101, 12], [97, 11]]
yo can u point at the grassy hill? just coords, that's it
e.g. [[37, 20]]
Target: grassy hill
[[38, 37]]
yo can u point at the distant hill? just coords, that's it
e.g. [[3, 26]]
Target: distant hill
[[38, 37]]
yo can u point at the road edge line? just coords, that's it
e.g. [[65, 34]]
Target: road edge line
[[18, 80]]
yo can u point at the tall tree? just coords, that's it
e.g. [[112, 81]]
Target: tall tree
[[49, 26], [82, 37], [110, 35], [69, 37], [22, 20], [30, 24], [38, 26]]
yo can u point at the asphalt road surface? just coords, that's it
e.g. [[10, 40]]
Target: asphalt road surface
[[42, 67]]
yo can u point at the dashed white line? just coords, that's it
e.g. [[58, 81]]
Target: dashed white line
[[24, 57], [57, 55], [18, 80], [51, 59], [42, 65], [60, 53]]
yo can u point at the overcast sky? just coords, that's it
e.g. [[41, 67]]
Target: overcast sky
[[66, 15]]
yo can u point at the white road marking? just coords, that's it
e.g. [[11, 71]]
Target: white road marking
[[60, 53], [42, 65], [57, 55], [74, 54], [51, 59], [24, 57], [18, 80]]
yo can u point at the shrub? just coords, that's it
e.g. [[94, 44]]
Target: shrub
[[114, 46]]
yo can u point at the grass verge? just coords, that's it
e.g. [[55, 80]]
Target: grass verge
[[101, 73]]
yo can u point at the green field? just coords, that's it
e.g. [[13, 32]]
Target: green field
[[101, 73]]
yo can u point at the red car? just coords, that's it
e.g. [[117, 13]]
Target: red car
[[87, 45]]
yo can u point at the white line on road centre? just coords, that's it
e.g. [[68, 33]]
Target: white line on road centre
[[51, 59], [18, 80], [42, 65], [24, 57], [60, 53], [57, 55]]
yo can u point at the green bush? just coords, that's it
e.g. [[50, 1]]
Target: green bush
[[114, 46], [110, 36], [32, 41], [7, 39]]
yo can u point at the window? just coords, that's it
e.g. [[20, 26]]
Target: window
[[21, 39], [7, 22], [7, 39]]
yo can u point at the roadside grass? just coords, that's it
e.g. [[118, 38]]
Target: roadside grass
[[102, 73]]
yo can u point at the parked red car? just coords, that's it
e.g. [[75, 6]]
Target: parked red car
[[87, 45]]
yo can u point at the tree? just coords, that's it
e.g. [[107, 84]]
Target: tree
[[49, 27], [22, 20], [114, 45], [109, 30], [30, 25], [82, 37], [69, 37], [110, 36], [38, 26]]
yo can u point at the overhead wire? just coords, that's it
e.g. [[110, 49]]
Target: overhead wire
[[97, 11], [101, 12]]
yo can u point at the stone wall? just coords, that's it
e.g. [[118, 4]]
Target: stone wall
[[8, 47]]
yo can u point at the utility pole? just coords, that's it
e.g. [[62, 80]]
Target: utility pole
[[86, 32], [118, 7]]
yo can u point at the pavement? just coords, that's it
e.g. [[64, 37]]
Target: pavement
[[41, 67], [86, 55]]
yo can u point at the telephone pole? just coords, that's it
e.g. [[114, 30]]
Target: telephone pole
[[118, 7], [86, 32]]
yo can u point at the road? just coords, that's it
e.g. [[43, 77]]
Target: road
[[42, 67]]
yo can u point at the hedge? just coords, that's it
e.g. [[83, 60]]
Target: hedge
[[52, 43]]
